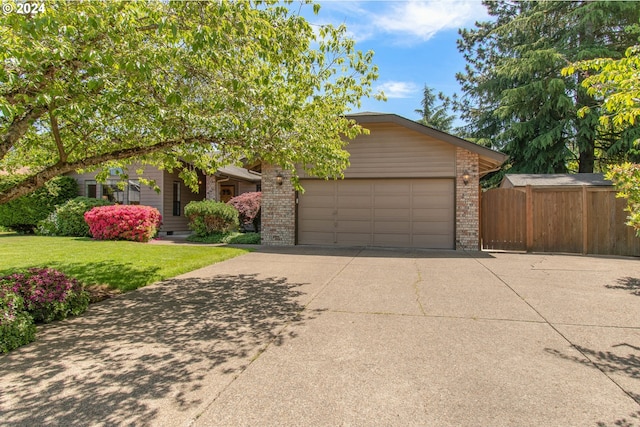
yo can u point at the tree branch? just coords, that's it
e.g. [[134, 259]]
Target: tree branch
[[55, 130], [18, 128], [36, 181]]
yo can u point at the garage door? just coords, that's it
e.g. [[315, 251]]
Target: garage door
[[377, 212]]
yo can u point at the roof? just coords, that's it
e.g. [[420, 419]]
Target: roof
[[559, 179], [239, 173], [489, 159]]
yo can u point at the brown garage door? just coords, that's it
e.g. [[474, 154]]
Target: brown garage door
[[377, 212]]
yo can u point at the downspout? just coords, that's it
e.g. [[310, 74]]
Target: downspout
[[218, 182]]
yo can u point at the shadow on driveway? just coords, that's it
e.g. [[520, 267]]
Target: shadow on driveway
[[130, 355], [630, 284]]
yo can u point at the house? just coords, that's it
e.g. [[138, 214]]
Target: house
[[560, 180], [408, 185], [174, 195]]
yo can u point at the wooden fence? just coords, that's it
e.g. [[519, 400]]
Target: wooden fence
[[588, 220]]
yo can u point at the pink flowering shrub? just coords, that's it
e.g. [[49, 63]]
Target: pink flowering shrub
[[46, 294], [123, 222]]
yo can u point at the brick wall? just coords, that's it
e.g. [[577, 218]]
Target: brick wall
[[467, 201], [278, 208]]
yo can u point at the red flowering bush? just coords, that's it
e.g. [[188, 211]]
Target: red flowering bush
[[248, 206], [44, 293], [123, 222]]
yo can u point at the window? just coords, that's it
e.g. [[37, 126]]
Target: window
[[91, 189], [115, 191], [134, 192], [176, 198]]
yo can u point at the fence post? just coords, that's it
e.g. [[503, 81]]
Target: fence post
[[529, 217], [585, 223]]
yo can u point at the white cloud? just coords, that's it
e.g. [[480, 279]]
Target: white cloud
[[407, 21], [421, 20], [393, 89]]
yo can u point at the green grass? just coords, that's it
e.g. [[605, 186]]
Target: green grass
[[231, 238], [120, 264]]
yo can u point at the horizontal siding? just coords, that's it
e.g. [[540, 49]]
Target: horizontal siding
[[169, 221], [393, 151]]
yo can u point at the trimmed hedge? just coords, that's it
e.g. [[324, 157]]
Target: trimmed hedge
[[68, 218], [123, 222], [210, 217], [248, 206], [24, 213]]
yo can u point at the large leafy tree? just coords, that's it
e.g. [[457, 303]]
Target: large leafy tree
[[516, 96], [176, 85], [616, 85], [435, 110]]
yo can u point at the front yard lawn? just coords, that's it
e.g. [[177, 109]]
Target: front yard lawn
[[121, 265]]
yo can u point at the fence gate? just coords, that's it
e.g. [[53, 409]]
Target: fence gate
[[504, 219]]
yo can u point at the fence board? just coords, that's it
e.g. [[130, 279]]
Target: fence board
[[557, 220]]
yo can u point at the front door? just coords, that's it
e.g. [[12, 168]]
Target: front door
[[227, 192]]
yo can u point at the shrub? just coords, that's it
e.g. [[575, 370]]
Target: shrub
[[243, 239], [68, 218], [24, 213], [210, 217], [123, 222], [248, 206], [47, 294], [16, 325]]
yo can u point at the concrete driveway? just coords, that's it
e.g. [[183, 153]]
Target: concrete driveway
[[313, 336]]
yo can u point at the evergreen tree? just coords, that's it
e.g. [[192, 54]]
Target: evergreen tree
[[436, 115], [514, 91]]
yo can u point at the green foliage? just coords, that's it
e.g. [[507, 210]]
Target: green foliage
[[626, 178], [209, 217], [233, 237], [436, 116], [68, 218], [157, 82], [516, 96], [243, 239], [24, 213], [16, 325], [616, 83]]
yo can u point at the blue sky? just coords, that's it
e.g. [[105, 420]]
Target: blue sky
[[414, 43]]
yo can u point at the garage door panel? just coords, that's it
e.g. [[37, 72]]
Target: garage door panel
[[354, 201], [354, 239], [431, 215], [316, 238], [434, 241], [319, 201], [433, 203], [442, 227], [378, 212], [392, 187], [392, 240], [385, 227], [392, 201], [353, 226]]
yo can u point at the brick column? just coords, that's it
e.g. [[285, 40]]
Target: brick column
[[278, 216], [467, 201], [210, 188]]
